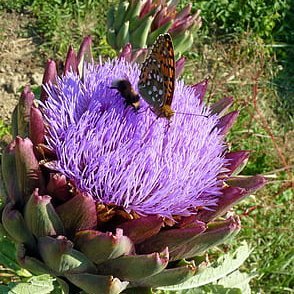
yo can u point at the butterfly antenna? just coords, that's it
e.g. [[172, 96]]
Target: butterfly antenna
[[194, 114]]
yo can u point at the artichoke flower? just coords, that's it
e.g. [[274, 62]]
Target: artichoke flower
[[110, 199], [139, 22]]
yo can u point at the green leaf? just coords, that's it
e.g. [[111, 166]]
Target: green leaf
[[237, 280], [7, 251], [39, 284], [225, 265]]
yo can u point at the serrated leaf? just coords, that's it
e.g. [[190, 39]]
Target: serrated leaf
[[225, 265], [237, 280], [36, 285], [60, 287]]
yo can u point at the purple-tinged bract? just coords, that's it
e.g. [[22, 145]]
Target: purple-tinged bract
[[132, 158]]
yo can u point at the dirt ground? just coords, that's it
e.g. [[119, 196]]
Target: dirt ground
[[20, 62]]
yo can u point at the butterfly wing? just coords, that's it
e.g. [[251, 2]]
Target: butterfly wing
[[157, 78]]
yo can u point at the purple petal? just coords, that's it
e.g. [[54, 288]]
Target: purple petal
[[184, 12], [23, 111], [231, 195], [250, 183], [9, 174], [85, 52], [37, 129], [58, 187], [71, 62], [142, 228], [200, 89], [221, 106], [146, 8], [28, 171], [236, 161], [78, 213], [180, 64], [50, 76], [216, 234], [227, 121], [126, 52]]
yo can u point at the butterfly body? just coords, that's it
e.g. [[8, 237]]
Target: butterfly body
[[157, 79]]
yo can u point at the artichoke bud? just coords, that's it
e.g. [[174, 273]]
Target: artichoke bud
[[41, 217], [184, 12], [135, 22], [180, 64]]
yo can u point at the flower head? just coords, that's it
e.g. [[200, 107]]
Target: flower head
[[133, 159], [91, 182]]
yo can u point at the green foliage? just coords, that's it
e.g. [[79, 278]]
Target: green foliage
[[270, 230], [223, 275], [264, 18], [4, 129], [70, 21], [63, 22], [235, 68], [43, 284], [17, 5]]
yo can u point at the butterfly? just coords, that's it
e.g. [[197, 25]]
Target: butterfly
[[127, 92], [157, 79]]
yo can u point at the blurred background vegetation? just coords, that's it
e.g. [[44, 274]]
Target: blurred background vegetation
[[246, 48]]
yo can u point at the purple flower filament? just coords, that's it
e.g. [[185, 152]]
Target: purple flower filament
[[123, 157]]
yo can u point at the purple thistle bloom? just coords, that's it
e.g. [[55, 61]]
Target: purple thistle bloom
[[131, 158]]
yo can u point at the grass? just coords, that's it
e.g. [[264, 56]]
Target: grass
[[246, 68]]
